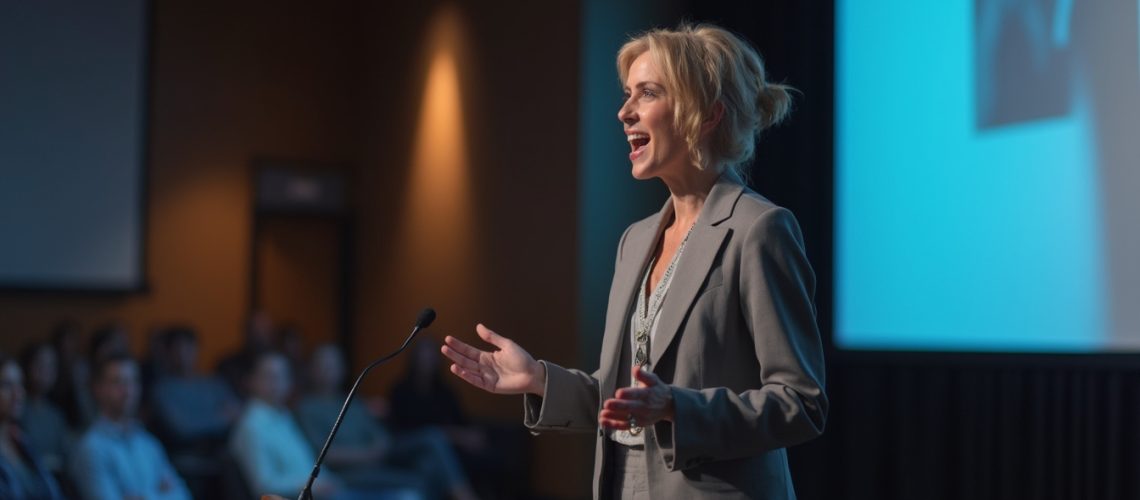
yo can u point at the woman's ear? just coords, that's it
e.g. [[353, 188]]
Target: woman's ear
[[714, 118]]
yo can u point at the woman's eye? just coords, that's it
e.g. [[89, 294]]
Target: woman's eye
[[648, 93]]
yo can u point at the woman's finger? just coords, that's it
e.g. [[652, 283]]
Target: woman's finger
[[645, 376], [470, 377], [491, 337], [459, 359], [463, 348], [624, 405], [632, 393], [615, 414], [615, 424]]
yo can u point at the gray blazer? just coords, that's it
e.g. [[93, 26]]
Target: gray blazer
[[736, 340]]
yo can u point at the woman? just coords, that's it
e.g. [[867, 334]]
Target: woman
[[45, 427], [710, 311], [21, 474], [72, 393]]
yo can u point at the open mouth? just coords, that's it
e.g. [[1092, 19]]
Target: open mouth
[[637, 141]]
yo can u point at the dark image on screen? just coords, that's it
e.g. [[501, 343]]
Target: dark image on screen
[[986, 168], [72, 144]]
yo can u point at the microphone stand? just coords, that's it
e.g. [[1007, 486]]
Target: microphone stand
[[425, 318]]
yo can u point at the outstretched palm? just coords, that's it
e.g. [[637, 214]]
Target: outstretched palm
[[507, 370]]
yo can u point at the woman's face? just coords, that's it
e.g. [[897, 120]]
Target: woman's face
[[11, 392], [656, 149]]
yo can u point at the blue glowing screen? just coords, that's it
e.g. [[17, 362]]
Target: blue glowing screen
[[987, 175]]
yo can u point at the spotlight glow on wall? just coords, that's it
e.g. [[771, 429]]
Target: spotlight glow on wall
[[437, 238]]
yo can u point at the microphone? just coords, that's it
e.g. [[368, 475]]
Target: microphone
[[426, 317]]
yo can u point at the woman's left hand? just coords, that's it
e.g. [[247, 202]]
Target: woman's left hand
[[647, 404]]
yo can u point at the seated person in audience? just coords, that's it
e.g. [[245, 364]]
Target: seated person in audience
[[364, 453], [117, 458], [190, 408], [292, 346], [106, 341], [422, 398], [22, 476], [271, 450], [72, 391], [152, 366], [45, 428], [259, 337]]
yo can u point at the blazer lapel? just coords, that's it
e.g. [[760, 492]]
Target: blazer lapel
[[636, 253], [700, 253]]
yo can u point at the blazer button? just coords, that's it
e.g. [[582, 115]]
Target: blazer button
[[601, 432]]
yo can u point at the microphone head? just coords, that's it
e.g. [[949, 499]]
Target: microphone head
[[425, 318]]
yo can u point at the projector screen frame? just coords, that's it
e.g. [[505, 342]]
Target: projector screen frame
[[982, 359], [142, 284]]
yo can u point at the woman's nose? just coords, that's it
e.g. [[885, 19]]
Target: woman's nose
[[626, 115]]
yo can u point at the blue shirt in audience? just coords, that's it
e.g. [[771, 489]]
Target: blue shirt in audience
[[46, 431], [26, 478], [113, 461], [271, 449]]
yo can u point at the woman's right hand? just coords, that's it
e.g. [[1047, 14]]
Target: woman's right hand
[[507, 370]]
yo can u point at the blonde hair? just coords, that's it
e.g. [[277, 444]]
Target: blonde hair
[[703, 65]]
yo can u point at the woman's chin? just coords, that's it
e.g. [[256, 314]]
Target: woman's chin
[[642, 171]]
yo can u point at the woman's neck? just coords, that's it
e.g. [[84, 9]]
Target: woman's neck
[[688, 193]]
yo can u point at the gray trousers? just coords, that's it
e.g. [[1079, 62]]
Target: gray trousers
[[630, 479]]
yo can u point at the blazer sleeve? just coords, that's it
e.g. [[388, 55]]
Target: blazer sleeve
[[570, 405], [788, 406]]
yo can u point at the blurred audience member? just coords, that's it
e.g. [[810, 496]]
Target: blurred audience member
[[153, 365], [116, 458], [188, 406], [22, 476], [364, 453], [45, 428], [106, 341], [259, 337], [272, 452], [72, 394], [422, 398], [293, 348]]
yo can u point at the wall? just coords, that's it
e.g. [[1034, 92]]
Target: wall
[[230, 82], [514, 230], [343, 83]]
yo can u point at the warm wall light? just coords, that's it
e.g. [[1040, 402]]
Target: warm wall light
[[437, 237], [439, 184]]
